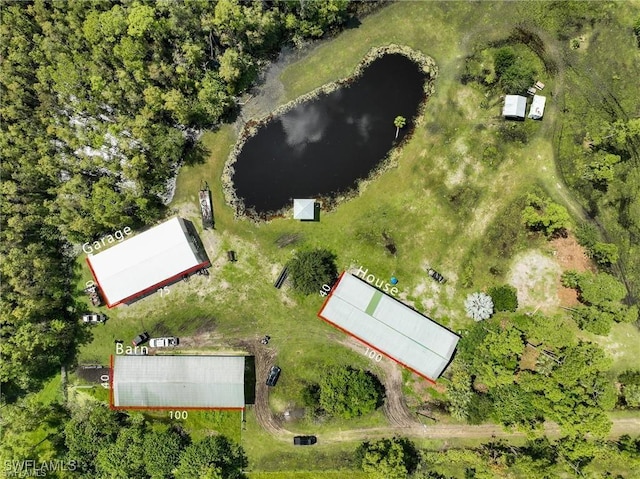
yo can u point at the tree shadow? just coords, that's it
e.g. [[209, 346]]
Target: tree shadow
[[196, 153]]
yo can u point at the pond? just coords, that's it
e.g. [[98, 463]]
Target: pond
[[323, 146]]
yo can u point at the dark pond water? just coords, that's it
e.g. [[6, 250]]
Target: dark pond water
[[324, 146]]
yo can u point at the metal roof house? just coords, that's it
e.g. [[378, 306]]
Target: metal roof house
[[536, 111], [389, 326], [304, 209], [145, 262], [515, 107], [185, 382]]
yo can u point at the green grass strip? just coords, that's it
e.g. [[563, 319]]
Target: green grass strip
[[373, 304]]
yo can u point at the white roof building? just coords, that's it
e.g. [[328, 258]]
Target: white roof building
[[536, 111], [389, 326], [143, 263], [304, 209], [185, 382], [515, 107]]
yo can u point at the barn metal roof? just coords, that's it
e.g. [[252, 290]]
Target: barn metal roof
[[389, 326], [206, 382]]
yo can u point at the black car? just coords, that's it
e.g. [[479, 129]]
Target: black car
[[140, 339], [437, 276], [274, 374], [304, 440]]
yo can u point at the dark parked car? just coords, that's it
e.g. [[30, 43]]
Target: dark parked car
[[274, 374], [304, 440], [437, 276], [140, 339]]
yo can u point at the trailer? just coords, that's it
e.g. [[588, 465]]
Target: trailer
[[206, 207]]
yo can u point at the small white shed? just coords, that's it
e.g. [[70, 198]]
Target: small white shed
[[304, 209], [515, 107], [537, 107]]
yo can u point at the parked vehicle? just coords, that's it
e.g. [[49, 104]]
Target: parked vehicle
[[274, 374], [93, 318], [437, 276], [163, 342], [140, 339], [304, 440]]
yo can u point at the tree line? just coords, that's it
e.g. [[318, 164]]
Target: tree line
[[101, 102]]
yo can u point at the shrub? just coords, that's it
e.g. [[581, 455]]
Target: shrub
[[503, 58], [570, 279], [630, 389], [309, 270], [542, 214], [348, 392], [505, 297], [394, 458], [604, 254], [478, 306]]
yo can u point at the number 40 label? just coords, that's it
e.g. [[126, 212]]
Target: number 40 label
[[326, 289]]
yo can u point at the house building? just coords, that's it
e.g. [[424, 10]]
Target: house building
[[389, 326]]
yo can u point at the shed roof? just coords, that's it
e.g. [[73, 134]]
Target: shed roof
[[515, 106], [389, 326], [304, 209], [196, 382], [536, 111], [144, 262]]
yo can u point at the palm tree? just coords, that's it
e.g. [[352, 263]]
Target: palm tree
[[399, 122]]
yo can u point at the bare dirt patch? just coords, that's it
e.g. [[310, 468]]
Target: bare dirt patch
[[535, 276], [569, 255]]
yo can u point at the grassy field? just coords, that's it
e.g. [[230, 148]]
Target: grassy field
[[448, 205]]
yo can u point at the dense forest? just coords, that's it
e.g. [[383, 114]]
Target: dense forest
[[101, 103]]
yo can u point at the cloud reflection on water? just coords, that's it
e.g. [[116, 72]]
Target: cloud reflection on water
[[304, 124]]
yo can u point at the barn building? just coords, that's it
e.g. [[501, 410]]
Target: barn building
[[177, 382], [148, 261], [389, 326]]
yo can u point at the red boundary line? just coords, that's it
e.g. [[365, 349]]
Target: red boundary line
[[204, 264], [160, 408], [111, 406], [182, 408], [362, 340]]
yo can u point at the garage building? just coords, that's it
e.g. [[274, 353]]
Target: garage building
[[171, 382], [144, 263], [389, 326]]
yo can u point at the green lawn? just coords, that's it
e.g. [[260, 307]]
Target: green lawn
[[447, 204]]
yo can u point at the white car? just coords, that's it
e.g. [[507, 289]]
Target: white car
[[163, 342], [93, 318]]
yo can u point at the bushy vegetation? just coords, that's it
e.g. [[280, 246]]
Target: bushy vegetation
[[601, 296], [505, 297], [513, 72], [605, 254], [309, 270], [630, 388], [393, 458], [104, 443], [491, 356], [345, 392], [542, 214], [478, 306]]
